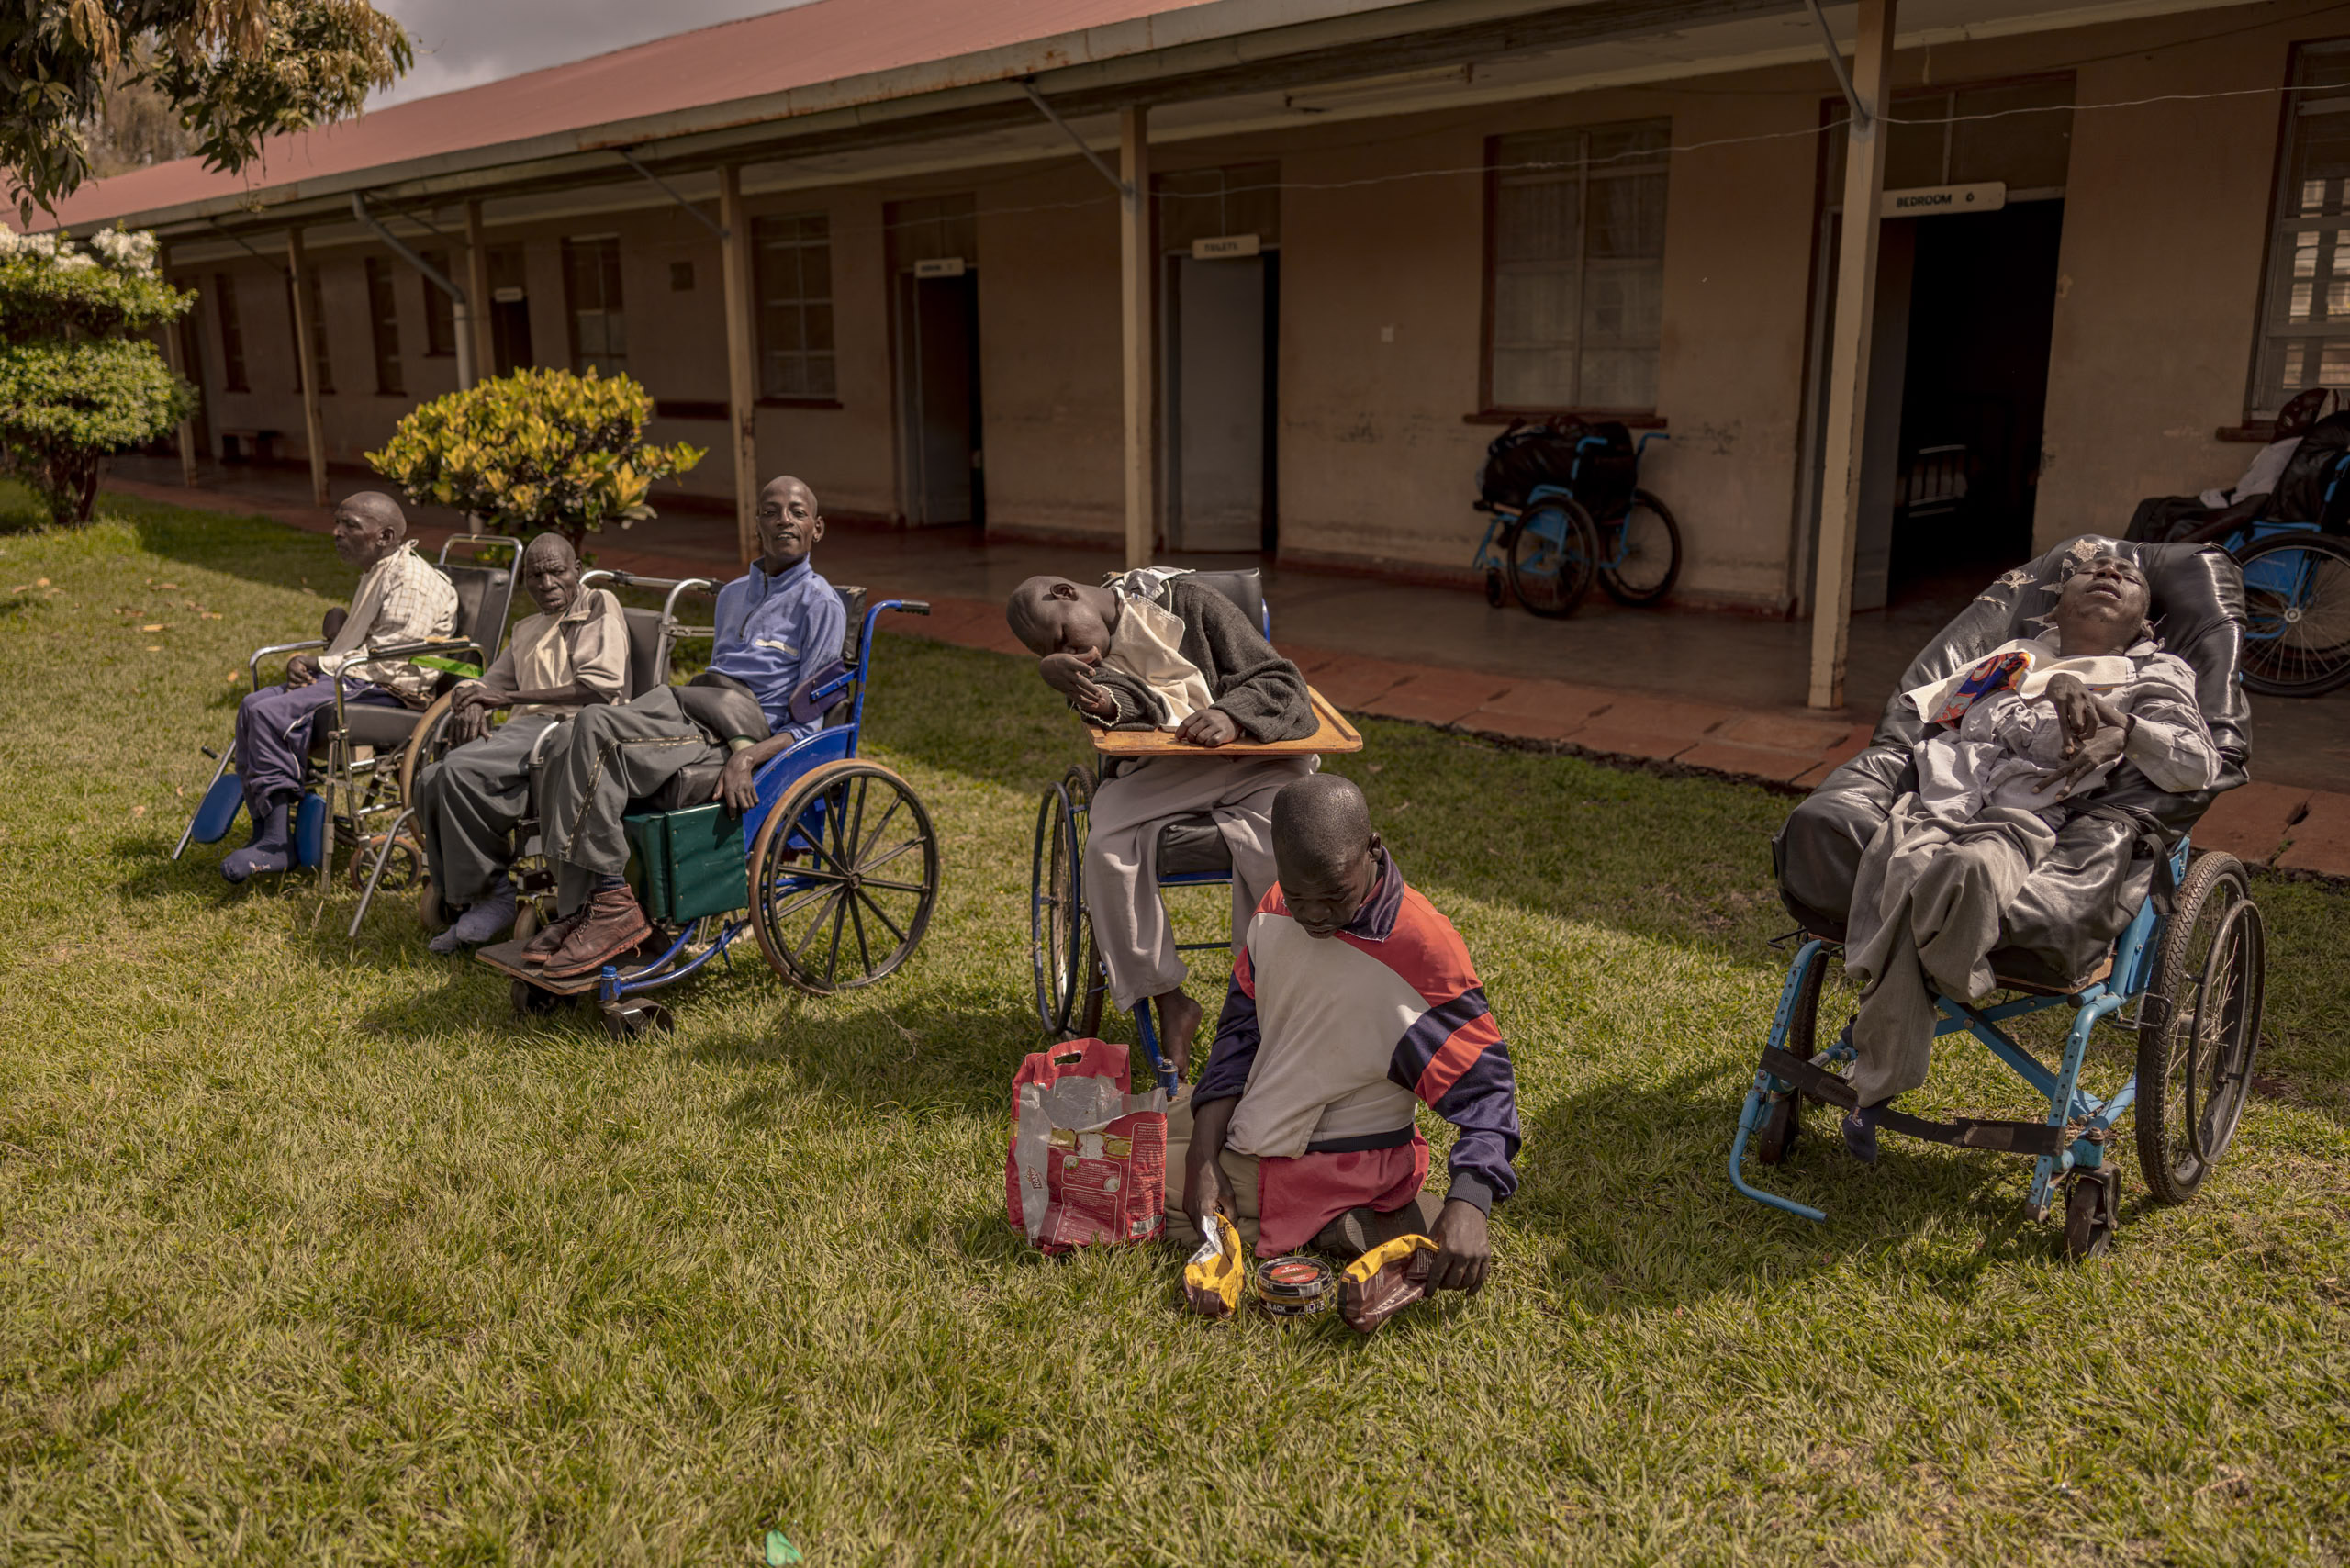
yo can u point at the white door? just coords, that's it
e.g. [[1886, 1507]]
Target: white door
[[1218, 368]]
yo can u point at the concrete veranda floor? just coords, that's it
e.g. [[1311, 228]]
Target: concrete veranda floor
[[1740, 661]]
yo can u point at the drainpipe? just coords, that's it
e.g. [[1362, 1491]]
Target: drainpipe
[[461, 316]]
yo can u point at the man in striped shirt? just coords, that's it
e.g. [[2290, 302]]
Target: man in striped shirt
[[1352, 1001]]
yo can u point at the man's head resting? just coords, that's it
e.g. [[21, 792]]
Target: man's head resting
[[551, 573], [368, 527], [2101, 606], [1325, 851], [1054, 615]]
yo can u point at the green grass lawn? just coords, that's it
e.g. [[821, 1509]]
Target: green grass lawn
[[311, 1252]]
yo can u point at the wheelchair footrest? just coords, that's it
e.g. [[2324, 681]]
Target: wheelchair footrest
[[1965, 1132]]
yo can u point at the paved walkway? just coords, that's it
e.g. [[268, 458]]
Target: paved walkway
[[1709, 693]]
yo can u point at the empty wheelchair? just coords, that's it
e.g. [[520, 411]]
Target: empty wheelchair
[[2170, 947], [833, 874], [1071, 985], [358, 774]]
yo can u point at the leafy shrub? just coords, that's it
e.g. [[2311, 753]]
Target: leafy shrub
[[79, 377], [535, 449]]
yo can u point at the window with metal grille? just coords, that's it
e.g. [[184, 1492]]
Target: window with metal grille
[[439, 311], [1574, 278], [384, 326], [793, 272], [591, 279], [2305, 305], [232, 334]]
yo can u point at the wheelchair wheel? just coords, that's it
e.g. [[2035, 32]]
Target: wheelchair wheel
[[1056, 927], [531, 1001], [2089, 1213], [428, 744], [430, 913], [1782, 1127], [1492, 588], [1650, 545], [2297, 614], [843, 877], [2201, 1027], [1553, 557]]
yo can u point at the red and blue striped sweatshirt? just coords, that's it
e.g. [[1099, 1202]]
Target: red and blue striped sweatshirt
[[1329, 1043]]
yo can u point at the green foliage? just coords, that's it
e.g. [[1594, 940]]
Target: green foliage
[[79, 377], [535, 450], [232, 70]]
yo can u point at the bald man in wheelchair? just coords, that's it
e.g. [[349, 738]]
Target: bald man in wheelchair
[[2016, 743]]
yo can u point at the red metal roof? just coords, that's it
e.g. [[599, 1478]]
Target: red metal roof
[[829, 40]]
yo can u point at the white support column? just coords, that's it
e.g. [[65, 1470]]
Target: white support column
[[175, 356], [1135, 265], [313, 421], [1848, 357], [477, 300], [742, 380]]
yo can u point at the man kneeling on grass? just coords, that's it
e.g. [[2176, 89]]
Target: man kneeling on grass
[[1351, 1000]]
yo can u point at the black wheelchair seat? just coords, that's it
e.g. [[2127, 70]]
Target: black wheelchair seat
[[1191, 845], [381, 727], [691, 786]]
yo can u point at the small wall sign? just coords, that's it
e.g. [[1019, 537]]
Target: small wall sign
[[1224, 246], [940, 266], [1937, 201]]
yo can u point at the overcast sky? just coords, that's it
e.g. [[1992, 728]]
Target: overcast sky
[[460, 43]]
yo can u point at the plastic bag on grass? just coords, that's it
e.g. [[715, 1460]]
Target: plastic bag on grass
[[1088, 1160]]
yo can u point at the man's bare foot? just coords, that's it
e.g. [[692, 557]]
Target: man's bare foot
[[1179, 1020]]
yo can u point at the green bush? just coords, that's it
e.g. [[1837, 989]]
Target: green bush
[[535, 449], [78, 375]]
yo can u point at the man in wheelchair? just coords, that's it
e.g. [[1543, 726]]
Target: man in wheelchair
[[572, 654], [780, 630], [2016, 744], [400, 598], [1149, 650]]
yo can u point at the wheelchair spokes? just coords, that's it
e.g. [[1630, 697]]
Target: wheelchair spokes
[[1056, 902], [2198, 1040], [824, 916], [2297, 614]]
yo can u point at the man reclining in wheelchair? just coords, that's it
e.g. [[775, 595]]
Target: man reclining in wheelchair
[[1150, 650], [2016, 744], [2018, 824]]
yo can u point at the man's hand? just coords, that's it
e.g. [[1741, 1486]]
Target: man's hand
[[1206, 1190], [301, 671], [330, 624], [470, 708], [1208, 726], [2092, 754], [1071, 674], [738, 784], [1464, 1256], [2076, 709]]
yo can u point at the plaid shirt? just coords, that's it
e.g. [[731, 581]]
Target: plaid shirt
[[403, 598]]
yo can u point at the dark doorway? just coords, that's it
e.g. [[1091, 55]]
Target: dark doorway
[[1220, 316], [938, 396], [1973, 394], [510, 311]]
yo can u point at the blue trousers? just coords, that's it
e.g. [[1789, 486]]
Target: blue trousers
[[274, 736]]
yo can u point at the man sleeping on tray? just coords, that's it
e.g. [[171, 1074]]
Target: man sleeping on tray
[[1152, 650], [2016, 742], [1352, 1002]]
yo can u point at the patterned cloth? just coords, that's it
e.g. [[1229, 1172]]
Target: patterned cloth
[[402, 599], [588, 644], [1329, 1043]]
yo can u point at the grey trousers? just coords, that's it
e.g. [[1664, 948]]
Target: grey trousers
[[1121, 872], [613, 756], [469, 803], [1926, 909]]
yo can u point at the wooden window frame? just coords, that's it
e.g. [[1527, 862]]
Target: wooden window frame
[[229, 321]]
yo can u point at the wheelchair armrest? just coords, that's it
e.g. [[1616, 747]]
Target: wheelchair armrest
[[429, 645], [252, 666], [820, 693]]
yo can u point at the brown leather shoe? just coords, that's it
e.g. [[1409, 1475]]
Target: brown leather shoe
[[615, 923], [540, 948]]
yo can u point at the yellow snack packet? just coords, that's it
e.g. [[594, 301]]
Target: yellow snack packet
[[1385, 1281], [1211, 1279]]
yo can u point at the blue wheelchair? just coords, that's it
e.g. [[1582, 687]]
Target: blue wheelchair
[[835, 873], [1599, 526], [2296, 596], [1071, 985], [2184, 972]]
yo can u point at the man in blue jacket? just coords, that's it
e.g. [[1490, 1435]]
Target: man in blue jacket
[[777, 624]]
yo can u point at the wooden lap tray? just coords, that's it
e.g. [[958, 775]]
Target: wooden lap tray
[[1332, 734]]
